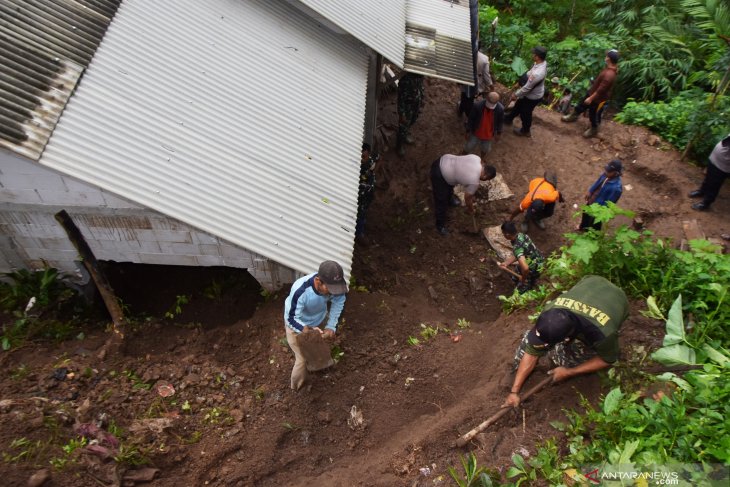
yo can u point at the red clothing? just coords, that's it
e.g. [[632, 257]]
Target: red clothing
[[602, 85], [486, 127]]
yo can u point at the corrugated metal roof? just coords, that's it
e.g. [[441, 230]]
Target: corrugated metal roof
[[44, 47], [438, 39], [379, 24], [243, 119]]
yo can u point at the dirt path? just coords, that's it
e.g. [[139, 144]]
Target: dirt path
[[243, 426]]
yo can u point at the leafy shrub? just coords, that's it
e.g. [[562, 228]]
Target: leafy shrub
[[44, 286], [686, 426], [34, 299], [690, 116], [643, 267]]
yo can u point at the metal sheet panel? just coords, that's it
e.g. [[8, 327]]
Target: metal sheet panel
[[438, 39], [243, 119], [44, 47], [379, 24]]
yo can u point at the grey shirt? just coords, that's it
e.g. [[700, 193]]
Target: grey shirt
[[534, 89], [483, 76], [720, 155], [464, 170]]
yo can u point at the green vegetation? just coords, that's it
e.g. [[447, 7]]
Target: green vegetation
[[472, 475], [674, 57], [679, 429], [177, 307], [35, 299]]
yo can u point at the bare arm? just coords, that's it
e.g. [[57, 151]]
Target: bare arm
[[587, 367], [527, 365], [524, 268]]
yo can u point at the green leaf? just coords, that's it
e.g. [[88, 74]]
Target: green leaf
[[584, 248], [628, 452], [513, 472], [519, 66], [519, 461], [612, 400], [675, 355], [672, 377], [716, 355], [675, 324], [652, 310], [485, 480]]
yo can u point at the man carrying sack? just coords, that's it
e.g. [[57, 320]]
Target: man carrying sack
[[305, 310]]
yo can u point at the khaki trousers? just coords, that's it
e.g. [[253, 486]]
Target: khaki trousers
[[301, 365]]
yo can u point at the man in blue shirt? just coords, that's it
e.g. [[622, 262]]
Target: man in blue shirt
[[306, 308], [607, 188]]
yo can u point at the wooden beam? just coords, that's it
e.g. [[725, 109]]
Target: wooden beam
[[100, 280]]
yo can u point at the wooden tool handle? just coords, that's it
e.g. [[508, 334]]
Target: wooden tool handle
[[463, 440], [510, 271]]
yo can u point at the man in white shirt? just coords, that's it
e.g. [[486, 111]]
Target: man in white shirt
[[530, 94], [450, 170]]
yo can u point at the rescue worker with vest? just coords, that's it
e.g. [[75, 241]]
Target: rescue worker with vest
[[578, 331], [539, 202]]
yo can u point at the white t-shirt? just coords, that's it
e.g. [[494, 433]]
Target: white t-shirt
[[464, 170]]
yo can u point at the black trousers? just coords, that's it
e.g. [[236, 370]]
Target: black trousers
[[442, 193], [533, 214], [465, 104], [524, 108], [712, 183], [592, 112], [587, 221]]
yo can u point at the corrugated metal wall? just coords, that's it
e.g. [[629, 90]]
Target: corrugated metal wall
[[243, 119], [44, 47], [379, 24], [438, 39]]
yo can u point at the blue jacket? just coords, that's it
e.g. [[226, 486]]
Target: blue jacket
[[305, 307], [611, 191]]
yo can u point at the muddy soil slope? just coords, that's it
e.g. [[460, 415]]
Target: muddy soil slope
[[388, 410]]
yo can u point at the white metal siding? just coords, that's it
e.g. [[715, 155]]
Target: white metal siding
[[438, 40], [44, 47], [380, 24], [243, 119]]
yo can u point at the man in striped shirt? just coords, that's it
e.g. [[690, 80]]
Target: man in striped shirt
[[306, 308]]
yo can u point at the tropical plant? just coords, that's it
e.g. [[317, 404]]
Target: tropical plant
[[473, 475]]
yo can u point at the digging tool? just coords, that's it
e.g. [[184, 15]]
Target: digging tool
[[463, 440], [510, 271]]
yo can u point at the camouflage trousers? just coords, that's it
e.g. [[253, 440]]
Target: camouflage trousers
[[410, 115], [564, 354]]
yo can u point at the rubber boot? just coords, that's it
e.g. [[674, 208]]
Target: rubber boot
[[591, 132], [570, 118]]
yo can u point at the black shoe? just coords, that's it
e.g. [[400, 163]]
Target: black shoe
[[507, 121], [442, 230], [455, 201], [518, 131], [701, 206], [697, 193]]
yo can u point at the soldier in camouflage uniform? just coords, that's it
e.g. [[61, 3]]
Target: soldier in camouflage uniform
[[410, 98], [578, 331], [525, 255], [366, 191]]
